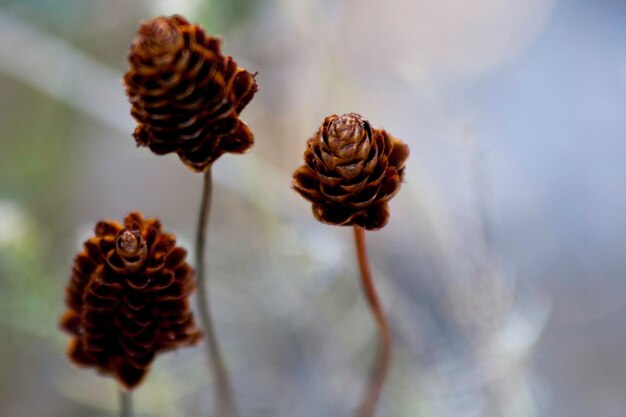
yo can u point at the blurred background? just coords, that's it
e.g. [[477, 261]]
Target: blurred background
[[503, 267]]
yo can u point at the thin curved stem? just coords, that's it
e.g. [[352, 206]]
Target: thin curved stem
[[224, 403], [126, 403], [367, 408]]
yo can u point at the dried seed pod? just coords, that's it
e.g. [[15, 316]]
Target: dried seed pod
[[351, 171], [128, 299], [185, 95]]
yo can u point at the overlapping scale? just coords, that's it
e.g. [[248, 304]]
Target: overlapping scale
[[351, 171], [186, 95], [128, 299]]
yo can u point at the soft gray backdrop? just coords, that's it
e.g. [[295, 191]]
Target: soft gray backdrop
[[503, 267]]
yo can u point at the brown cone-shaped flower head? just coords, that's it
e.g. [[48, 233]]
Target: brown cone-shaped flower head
[[185, 95], [128, 299], [351, 171]]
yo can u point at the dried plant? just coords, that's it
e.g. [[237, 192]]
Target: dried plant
[[128, 299], [351, 171], [186, 95]]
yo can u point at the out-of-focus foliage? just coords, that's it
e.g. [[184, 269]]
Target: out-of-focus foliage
[[224, 16], [25, 287]]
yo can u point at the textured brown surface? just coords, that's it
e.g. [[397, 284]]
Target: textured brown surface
[[128, 299], [351, 171], [185, 95]]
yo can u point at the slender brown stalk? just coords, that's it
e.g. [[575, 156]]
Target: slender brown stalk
[[369, 402], [224, 403], [126, 403]]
